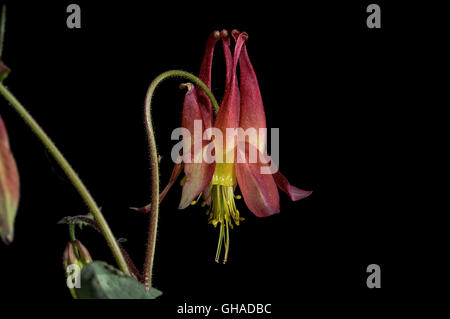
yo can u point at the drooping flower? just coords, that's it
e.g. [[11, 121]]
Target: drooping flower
[[241, 108], [9, 187]]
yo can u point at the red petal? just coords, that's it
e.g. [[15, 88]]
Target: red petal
[[228, 57], [191, 110], [259, 190], [207, 195], [252, 109], [198, 177], [198, 174], [192, 118], [228, 116], [293, 192], [173, 177], [205, 76], [205, 69]]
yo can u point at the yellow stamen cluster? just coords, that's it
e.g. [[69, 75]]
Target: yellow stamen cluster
[[223, 211]]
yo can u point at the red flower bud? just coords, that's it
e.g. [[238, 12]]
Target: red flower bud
[[76, 253]]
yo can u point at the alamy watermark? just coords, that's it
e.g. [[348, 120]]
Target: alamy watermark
[[235, 146]]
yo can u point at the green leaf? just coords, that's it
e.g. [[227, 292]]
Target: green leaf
[[102, 281]]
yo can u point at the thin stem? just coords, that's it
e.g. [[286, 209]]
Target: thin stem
[[150, 253], [2, 28], [72, 232], [73, 238], [71, 174]]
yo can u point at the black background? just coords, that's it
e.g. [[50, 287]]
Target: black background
[[342, 95]]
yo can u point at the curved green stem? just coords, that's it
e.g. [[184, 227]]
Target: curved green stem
[[154, 210], [72, 175]]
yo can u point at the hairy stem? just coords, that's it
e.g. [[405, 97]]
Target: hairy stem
[[72, 175], [150, 253]]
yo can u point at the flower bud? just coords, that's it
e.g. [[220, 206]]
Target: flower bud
[[9, 187], [76, 253], [75, 256], [83, 253]]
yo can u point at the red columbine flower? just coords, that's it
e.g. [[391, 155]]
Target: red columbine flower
[[9, 187], [240, 108]]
